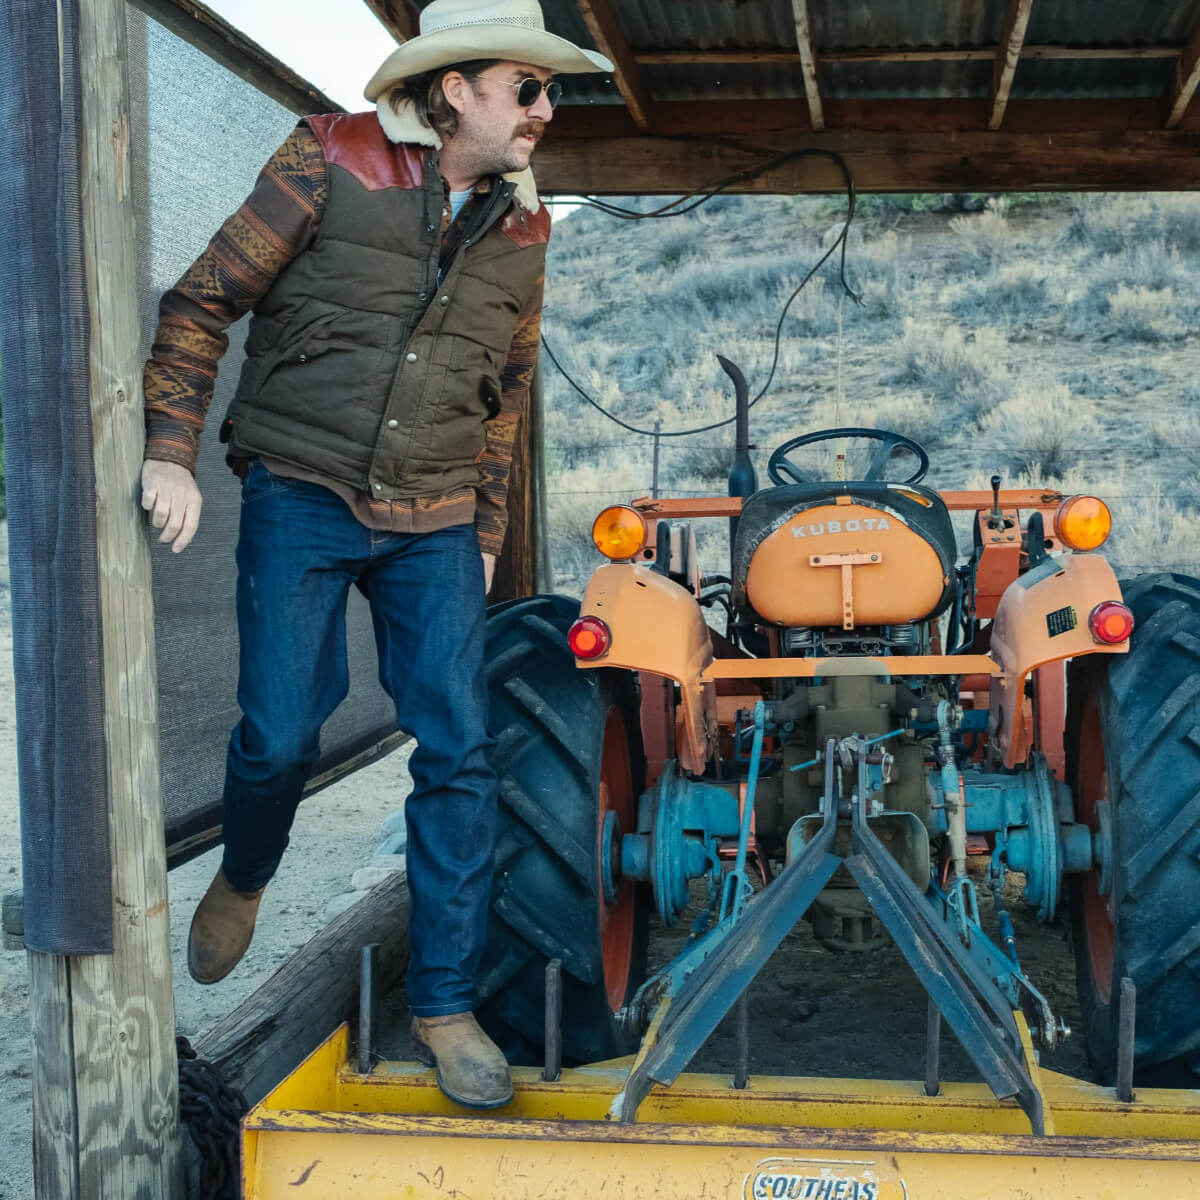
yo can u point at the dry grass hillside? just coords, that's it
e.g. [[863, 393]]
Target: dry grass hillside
[[1052, 340]]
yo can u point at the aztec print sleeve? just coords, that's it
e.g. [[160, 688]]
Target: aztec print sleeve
[[491, 496], [277, 221]]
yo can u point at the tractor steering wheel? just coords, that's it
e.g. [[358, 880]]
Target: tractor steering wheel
[[783, 471]]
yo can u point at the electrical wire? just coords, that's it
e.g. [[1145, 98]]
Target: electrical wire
[[702, 196]]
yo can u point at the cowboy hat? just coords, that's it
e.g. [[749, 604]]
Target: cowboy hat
[[454, 31]]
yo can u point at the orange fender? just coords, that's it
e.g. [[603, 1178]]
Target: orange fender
[[656, 626], [1042, 618]]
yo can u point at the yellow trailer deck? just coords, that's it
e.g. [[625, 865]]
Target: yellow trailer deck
[[328, 1131]]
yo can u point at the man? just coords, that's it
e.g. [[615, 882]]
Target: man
[[393, 261]]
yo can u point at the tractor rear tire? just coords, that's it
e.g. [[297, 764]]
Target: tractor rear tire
[[1133, 747], [568, 748]]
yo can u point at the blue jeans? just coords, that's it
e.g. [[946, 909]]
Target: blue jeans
[[299, 551]]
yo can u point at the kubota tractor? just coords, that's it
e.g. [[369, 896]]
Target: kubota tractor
[[874, 707], [874, 711]]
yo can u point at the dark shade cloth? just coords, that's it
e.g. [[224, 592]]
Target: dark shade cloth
[[189, 175], [51, 488]]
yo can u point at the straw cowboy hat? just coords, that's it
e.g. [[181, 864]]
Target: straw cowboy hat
[[454, 31]]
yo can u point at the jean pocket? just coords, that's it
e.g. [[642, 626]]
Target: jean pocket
[[260, 483]]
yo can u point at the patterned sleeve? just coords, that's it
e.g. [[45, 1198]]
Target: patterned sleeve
[[277, 221], [491, 497]]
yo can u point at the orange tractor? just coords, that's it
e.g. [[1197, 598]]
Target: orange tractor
[[874, 710]]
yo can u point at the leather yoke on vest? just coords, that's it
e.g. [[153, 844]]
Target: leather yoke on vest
[[358, 365]]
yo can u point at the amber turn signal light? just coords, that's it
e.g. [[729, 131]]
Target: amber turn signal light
[[619, 532], [1111, 623], [589, 637], [1083, 522]]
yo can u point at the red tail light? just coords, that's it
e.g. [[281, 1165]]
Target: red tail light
[[589, 637], [1111, 623]]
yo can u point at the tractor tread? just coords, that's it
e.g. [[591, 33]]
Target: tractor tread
[[543, 714], [1185, 822], [546, 827], [1150, 712], [546, 718]]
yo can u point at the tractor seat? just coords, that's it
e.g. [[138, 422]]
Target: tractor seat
[[782, 529]]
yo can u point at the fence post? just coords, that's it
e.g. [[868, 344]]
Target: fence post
[[657, 440]]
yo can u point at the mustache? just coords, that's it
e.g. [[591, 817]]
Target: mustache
[[534, 130]]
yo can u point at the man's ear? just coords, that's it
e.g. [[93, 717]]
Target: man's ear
[[454, 85]]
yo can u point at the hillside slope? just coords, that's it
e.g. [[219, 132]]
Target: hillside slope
[[1051, 340]]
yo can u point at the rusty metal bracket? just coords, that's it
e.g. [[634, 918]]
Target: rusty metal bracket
[[847, 562]]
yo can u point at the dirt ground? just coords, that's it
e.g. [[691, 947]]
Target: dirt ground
[[811, 1012]]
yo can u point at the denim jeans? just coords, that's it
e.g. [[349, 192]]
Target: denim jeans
[[299, 551]]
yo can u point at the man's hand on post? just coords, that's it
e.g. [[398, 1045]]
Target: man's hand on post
[[171, 497], [489, 572]]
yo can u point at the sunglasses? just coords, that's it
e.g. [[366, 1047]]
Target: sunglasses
[[529, 88]]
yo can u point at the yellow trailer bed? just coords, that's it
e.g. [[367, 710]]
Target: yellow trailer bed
[[327, 1131]]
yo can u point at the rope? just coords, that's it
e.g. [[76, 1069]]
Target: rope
[[212, 1112]]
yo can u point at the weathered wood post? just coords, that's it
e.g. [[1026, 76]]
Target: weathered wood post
[[106, 1103]]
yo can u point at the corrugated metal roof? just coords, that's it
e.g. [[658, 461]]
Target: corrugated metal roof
[[1091, 79], [1111, 23], [909, 80], [842, 25], [724, 81], [706, 24], [875, 23]]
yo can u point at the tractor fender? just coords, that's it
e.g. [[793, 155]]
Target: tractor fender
[[1042, 618], [657, 627]]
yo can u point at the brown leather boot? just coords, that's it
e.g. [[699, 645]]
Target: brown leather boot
[[221, 930], [470, 1068]]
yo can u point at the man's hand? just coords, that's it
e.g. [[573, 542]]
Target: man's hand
[[171, 497], [489, 571]]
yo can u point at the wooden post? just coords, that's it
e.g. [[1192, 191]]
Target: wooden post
[[106, 1086]]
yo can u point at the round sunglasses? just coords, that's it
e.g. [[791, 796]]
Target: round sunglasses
[[529, 88]]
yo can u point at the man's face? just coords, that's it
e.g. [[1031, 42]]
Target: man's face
[[495, 133]]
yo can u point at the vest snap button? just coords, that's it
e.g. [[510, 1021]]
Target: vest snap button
[[393, 423], [379, 487], [420, 295], [428, 228], [302, 358], [411, 356], [445, 300]]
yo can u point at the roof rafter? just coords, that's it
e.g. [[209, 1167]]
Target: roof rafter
[[1016, 21], [1183, 82], [610, 40], [807, 47], [398, 17]]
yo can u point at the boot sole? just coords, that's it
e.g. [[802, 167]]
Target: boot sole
[[426, 1057]]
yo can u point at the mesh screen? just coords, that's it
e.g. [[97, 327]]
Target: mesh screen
[[51, 489], [201, 135]]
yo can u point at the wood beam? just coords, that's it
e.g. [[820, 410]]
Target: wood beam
[[1016, 21], [105, 1072], [398, 17], [610, 40], [1146, 159], [806, 46], [1183, 83], [1048, 52], [759, 119]]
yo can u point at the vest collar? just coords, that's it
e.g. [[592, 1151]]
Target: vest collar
[[406, 126]]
